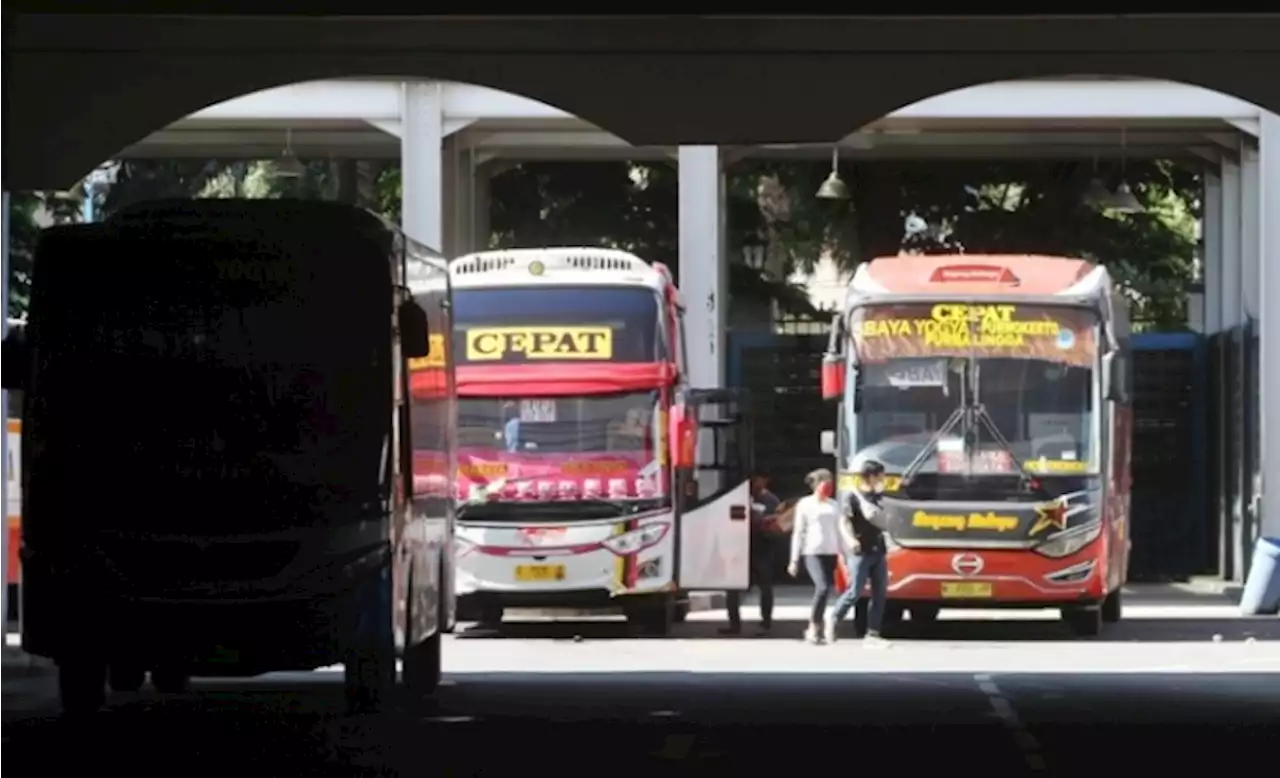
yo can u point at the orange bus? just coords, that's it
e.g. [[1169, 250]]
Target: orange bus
[[995, 391]]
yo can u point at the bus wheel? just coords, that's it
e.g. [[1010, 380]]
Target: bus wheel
[[923, 614], [1085, 622], [652, 617], [422, 666], [1112, 608], [125, 677], [681, 612], [861, 611], [82, 685], [170, 679], [366, 677], [422, 661]]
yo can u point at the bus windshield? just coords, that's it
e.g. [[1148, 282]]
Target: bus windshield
[[559, 448], [1025, 374], [540, 324]]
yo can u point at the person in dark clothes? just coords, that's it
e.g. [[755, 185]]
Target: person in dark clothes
[[865, 554], [764, 507]]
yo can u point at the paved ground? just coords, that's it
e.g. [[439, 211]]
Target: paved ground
[[1179, 681]]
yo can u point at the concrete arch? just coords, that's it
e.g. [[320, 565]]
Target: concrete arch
[[81, 87]]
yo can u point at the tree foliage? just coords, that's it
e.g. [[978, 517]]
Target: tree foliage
[[974, 207]]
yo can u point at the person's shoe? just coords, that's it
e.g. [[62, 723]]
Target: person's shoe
[[873, 640], [829, 628], [732, 629], [766, 627], [813, 635]]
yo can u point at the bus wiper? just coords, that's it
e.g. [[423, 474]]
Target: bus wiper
[[950, 424], [980, 415], [972, 414]]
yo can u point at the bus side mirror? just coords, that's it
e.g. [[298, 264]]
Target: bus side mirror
[[827, 443], [683, 437], [1113, 378], [17, 360], [415, 332], [832, 376]]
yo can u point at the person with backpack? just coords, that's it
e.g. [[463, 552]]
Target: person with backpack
[[865, 555]]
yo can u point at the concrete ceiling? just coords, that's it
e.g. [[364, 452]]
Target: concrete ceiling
[[79, 88]]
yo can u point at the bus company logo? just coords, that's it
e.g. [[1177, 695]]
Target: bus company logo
[[1050, 514], [967, 564], [492, 344], [540, 536], [971, 274]]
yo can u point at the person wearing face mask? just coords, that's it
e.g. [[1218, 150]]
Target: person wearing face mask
[[815, 543], [865, 554]]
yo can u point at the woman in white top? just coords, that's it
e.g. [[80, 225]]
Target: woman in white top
[[815, 541]]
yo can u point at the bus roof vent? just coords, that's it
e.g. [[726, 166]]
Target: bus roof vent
[[484, 263], [540, 260], [599, 262]]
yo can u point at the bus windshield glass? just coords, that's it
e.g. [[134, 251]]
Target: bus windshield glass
[[561, 448], [974, 389], [548, 324]]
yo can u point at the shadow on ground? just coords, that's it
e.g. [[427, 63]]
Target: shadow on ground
[[488, 723], [1144, 630]]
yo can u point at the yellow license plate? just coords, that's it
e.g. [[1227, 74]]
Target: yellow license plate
[[539, 572], [963, 589]]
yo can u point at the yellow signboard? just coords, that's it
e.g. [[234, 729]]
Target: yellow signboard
[[959, 326], [492, 344], [964, 521], [434, 357], [915, 330]]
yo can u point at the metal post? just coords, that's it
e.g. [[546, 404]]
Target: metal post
[[1262, 586], [703, 269], [421, 182]]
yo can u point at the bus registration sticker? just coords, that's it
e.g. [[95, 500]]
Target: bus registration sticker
[[966, 589]]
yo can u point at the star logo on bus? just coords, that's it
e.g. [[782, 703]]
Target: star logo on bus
[[1050, 514]]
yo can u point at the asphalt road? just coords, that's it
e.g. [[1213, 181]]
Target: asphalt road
[[1157, 693]]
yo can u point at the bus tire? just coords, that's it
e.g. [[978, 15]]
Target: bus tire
[[924, 614], [422, 666], [369, 669], [1113, 608], [125, 677], [681, 612], [1085, 622], [422, 662], [652, 617], [170, 679], [861, 612], [82, 685]]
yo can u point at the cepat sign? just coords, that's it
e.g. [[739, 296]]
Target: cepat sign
[[493, 344]]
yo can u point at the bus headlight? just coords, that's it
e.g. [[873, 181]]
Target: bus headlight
[[1068, 543], [637, 539]]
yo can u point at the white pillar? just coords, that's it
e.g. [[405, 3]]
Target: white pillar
[[480, 209], [421, 174], [466, 204], [1211, 250], [1269, 290], [703, 270], [1229, 289]]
